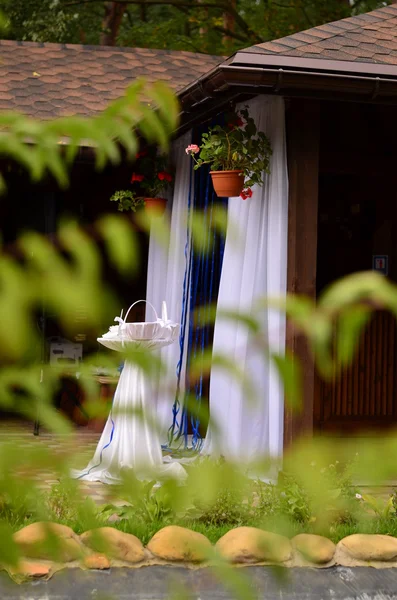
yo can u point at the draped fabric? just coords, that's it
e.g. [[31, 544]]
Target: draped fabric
[[254, 266], [188, 280], [205, 272], [129, 441], [166, 281]]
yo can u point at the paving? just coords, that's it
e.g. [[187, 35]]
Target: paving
[[158, 583], [82, 444]]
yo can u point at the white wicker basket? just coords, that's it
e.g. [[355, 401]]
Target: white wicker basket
[[161, 329], [149, 330]]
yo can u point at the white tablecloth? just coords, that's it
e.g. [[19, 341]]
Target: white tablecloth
[[129, 439]]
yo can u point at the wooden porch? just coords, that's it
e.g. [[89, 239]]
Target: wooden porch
[[342, 213]]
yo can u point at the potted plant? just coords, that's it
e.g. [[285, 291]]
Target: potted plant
[[238, 155], [127, 201], [152, 178]]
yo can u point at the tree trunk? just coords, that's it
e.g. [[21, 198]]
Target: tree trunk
[[229, 22], [114, 12]]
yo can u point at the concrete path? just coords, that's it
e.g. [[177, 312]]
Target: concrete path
[[156, 583]]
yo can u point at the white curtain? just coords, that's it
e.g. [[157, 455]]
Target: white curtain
[[254, 266], [165, 280]]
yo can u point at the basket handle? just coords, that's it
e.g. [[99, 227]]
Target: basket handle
[[132, 305]]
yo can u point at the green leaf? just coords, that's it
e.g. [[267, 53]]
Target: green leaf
[[355, 288], [350, 326], [251, 323], [107, 134], [9, 552], [289, 371], [121, 243], [234, 580], [4, 23], [201, 237]]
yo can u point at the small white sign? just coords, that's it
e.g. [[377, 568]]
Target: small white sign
[[380, 263]]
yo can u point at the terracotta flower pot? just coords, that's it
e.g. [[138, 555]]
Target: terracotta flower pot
[[227, 184], [155, 206]]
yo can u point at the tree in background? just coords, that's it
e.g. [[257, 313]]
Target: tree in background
[[210, 26]]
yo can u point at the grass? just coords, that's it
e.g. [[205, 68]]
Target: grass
[[145, 531], [373, 525], [285, 509], [19, 517], [88, 516], [288, 528]]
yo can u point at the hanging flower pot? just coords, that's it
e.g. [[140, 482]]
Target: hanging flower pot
[[155, 206], [237, 153], [152, 178], [228, 184]]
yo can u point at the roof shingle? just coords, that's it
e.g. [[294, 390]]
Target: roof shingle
[[51, 80], [371, 37]]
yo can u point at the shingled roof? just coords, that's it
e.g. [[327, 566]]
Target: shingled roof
[[50, 80], [369, 38]]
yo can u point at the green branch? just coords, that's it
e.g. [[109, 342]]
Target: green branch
[[42, 146], [222, 6]]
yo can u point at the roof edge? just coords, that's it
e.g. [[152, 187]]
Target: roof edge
[[319, 78], [315, 64]]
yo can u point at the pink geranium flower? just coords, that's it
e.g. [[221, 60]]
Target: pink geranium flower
[[192, 149]]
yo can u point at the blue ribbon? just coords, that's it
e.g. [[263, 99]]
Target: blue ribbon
[[174, 431], [205, 275], [102, 451], [200, 290]]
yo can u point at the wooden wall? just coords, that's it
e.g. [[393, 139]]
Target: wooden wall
[[363, 397], [303, 135], [342, 211]]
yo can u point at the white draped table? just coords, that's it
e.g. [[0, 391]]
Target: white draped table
[[130, 440]]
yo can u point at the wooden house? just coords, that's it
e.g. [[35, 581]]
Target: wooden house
[[339, 82], [339, 86]]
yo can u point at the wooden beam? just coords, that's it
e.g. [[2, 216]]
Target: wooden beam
[[303, 134]]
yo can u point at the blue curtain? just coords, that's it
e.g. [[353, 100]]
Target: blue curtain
[[204, 272]]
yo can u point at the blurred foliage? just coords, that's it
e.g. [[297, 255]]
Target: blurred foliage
[[49, 146], [210, 27], [315, 490], [334, 509]]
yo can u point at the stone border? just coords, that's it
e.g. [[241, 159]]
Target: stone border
[[173, 545]]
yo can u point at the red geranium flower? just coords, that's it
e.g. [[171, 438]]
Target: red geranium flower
[[164, 176], [137, 177], [247, 193], [238, 122]]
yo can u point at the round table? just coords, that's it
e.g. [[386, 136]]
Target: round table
[[130, 440]]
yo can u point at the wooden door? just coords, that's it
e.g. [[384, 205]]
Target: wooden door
[[363, 397]]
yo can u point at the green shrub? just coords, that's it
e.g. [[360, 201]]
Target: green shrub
[[65, 505], [18, 510], [228, 508]]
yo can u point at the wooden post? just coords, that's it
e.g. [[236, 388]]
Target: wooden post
[[303, 129]]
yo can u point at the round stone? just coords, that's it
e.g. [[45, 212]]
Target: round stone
[[49, 541], [314, 548], [115, 544], [30, 568], [251, 545], [96, 561], [368, 547], [177, 544]]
